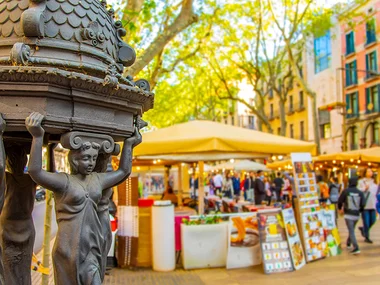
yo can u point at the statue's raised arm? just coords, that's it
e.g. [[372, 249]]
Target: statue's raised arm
[[114, 178], [52, 181]]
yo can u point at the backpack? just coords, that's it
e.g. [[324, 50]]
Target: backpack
[[334, 193]]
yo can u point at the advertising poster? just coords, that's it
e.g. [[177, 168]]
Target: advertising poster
[[243, 242], [309, 208], [331, 230], [274, 244], [294, 240]]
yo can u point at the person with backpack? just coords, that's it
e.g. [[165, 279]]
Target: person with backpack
[[368, 186], [353, 201], [334, 190]]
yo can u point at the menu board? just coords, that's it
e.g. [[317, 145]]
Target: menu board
[[274, 244], [294, 240], [309, 208], [243, 243], [334, 246]]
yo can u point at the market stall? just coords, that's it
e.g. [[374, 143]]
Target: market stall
[[209, 141]]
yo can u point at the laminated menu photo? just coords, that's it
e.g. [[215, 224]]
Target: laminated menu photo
[[274, 244], [310, 213]]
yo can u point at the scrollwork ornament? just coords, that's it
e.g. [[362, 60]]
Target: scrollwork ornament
[[143, 84], [20, 54]]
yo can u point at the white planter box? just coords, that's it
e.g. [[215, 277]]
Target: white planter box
[[204, 246]]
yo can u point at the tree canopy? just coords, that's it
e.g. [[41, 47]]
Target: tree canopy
[[195, 52]]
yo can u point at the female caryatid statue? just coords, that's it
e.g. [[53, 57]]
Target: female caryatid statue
[[77, 252]]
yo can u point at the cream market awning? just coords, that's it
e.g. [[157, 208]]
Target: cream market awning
[[206, 137]]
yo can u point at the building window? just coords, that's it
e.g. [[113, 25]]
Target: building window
[[326, 131], [322, 52], [271, 111], [371, 64], [291, 103], [301, 99], [352, 105], [350, 43], [354, 139], [371, 31], [251, 122], [375, 134], [291, 131], [372, 99], [302, 131], [351, 73]]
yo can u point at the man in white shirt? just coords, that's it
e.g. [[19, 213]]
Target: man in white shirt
[[218, 183]]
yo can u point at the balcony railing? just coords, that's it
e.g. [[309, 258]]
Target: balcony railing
[[376, 109], [352, 116]]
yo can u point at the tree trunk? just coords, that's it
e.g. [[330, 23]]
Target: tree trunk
[[310, 93], [317, 138], [133, 8], [283, 119], [184, 20], [259, 125]]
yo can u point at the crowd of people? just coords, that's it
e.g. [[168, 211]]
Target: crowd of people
[[360, 199], [255, 186]]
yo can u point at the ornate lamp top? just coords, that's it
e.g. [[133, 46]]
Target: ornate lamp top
[[78, 38]]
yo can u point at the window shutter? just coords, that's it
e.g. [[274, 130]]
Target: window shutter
[[348, 101], [367, 99], [356, 103], [355, 81], [347, 74], [347, 43], [378, 98], [367, 67], [375, 61], [368, 32]]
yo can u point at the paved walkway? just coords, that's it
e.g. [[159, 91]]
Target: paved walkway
[[344, 269]]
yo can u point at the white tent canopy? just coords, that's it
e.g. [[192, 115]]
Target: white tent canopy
[[242, 165]]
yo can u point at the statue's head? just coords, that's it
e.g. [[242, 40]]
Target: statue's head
[[83, 160], [16, 158]]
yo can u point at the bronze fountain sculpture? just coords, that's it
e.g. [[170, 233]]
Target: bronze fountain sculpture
[[78, 258], [61, 80]]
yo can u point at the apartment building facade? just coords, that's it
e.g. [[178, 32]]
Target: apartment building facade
[[295, 110], [323, 62], [361, 78], [342, 67]]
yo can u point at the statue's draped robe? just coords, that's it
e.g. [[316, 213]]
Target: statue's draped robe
[[77, 252]]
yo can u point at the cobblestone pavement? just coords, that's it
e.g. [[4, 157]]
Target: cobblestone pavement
[[344, 269]]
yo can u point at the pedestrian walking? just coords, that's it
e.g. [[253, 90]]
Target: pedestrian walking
[[369, 188], [227, 186], [268, 190], [260, 192], [278, 184], [218, 183], [353, 201], [334, 190], [236, 185], [323, 189], [249, 185]]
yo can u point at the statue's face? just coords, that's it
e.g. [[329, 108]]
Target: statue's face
[[87, 161]]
